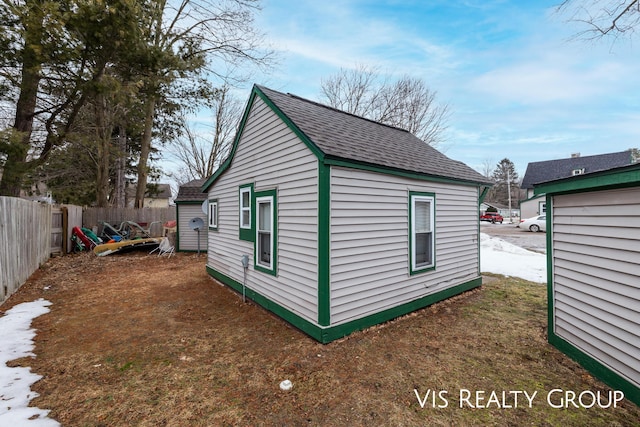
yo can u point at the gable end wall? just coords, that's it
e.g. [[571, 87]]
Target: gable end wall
[[270, 156]]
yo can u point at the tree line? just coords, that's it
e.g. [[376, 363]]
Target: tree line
[[92, 89]]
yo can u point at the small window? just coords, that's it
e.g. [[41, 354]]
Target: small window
[[422, 233], [266, 232], [213, 214], [246, 212], [577, 172], [245, 207]]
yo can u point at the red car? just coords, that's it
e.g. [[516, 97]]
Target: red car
[[492, 217]]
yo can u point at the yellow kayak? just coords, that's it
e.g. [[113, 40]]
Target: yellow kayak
[[109, 248]]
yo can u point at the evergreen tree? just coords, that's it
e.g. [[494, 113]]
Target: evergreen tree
[[506, 178]]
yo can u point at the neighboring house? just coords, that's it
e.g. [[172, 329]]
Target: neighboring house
[[538, 172], [189, 205], [341, 222], [157, 196], [593, 241]]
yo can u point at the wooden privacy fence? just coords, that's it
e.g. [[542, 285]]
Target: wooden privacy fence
[[93, 216], [25, 241]]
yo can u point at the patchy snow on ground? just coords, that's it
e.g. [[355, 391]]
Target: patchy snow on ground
[[16, 341], [501, 257]]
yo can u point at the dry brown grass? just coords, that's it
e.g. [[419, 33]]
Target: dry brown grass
[[144, 341]]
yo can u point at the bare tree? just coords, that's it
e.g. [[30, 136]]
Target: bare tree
[[200, 156], [407, 103], [614, 18]]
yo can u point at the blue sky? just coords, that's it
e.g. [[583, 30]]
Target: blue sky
[[516, 85]]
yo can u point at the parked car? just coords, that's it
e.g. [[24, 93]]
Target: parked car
[[492, 217], [536, 223]]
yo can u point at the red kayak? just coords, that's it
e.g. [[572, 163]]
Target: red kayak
[[87, 242]]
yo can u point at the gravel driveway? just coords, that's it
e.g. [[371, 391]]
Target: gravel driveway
[[536, 242]]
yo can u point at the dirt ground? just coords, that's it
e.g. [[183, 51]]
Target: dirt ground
[[138, 340]]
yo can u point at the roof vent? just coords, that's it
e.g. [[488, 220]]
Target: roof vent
[[575, 155]]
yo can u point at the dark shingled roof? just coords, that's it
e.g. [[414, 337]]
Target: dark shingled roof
[[344, 136], [551, 170], [191, 191]]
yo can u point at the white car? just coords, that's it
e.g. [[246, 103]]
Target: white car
[[536, 223]]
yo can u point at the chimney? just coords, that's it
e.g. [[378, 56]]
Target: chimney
[[575, 155]]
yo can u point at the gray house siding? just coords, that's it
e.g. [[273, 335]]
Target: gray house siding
[[596, 276], [370, 241], [270, 156], [188, 238]]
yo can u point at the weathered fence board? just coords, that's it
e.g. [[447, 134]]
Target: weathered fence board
[[25, 241]]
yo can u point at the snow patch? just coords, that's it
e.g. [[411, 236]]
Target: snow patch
[[501, 257], [16, 341]]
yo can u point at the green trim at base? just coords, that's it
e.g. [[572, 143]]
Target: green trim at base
[[600, 371], [328, 334]]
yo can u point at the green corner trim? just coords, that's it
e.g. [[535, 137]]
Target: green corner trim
[[328, 334], [324, 246]]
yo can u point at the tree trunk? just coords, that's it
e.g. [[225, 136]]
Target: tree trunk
[[16, 164], [103, 135], [121, 161], [145, 150]]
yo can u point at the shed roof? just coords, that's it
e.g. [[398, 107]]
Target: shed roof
[[336, 136], [550, 170], [191, 191]]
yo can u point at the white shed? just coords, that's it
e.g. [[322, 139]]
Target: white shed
[[189, 205], [593, 250], [343, 222]]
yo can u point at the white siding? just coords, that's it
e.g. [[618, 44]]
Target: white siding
[[370, 241], [270, 155], [188, 238], [596, 276]]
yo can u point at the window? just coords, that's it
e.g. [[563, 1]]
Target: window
[[577, 172], [245, 212], [266, 232], [422, 232], [213, 214]]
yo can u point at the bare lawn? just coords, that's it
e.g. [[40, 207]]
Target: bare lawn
[[139, 340]]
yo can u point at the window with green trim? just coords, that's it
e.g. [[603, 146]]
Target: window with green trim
[[246, 212], [213, 214], [422, 232], [266, 232]]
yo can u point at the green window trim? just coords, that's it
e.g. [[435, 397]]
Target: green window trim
[[246, 214], [213, 214], [265, 224], [422, 234]]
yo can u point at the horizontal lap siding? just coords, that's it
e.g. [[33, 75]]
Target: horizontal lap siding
[[188, 239], [370, 246], [271, 156], [596, 271]]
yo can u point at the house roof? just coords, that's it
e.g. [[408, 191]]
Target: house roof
[[191, 192], [623, 176], [346, 136], [337, 137], [551, 170]]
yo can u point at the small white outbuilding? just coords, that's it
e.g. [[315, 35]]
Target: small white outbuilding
[[190, 204], [593, 250]]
